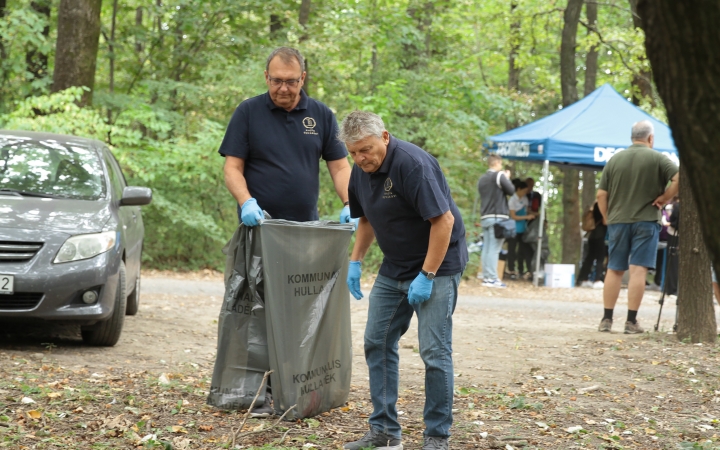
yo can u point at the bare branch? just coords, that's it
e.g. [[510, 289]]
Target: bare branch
[[270, 427], [252, 405], [614, 6], [619, 53]]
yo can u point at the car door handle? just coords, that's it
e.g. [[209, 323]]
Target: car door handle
[[134, 217]]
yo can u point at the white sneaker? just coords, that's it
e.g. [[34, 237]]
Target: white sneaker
[[586, 284], [598, 285], [494, 284]]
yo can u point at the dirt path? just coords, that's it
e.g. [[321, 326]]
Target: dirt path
[[522, 359]]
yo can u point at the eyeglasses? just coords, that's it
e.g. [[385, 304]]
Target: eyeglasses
[[277, 82]]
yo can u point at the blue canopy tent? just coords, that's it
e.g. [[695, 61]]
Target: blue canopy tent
[[584, 134]]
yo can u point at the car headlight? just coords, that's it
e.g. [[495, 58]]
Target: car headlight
[[85, 246]]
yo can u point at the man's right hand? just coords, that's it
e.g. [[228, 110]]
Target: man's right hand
[[251, 214], [353, 279]]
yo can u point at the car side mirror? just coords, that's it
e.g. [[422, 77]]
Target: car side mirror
[[136, 196]]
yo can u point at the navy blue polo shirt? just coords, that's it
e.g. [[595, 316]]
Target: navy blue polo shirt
[[398, 199], [282, 151]]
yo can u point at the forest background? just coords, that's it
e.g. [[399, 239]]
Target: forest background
[[443, 74]]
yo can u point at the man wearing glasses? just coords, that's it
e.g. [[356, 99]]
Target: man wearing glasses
[[273, 145], [272, 148]]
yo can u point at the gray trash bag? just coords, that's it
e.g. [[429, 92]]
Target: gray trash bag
[[242, 353], [308, 314]]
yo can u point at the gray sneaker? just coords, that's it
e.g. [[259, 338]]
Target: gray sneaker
[[633, 328], [606, 325], [435, 443], [264, 410], [375, 439]]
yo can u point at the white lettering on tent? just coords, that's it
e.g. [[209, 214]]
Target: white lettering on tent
[[603, 154], [516, 149]]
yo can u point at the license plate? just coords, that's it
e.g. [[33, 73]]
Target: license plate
[[6, 284]]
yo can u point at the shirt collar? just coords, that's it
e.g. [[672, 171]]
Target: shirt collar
[[302, 104], [385, 166]]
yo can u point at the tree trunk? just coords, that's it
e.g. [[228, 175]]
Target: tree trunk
[[591, 66], [641, 82], [568, 73], [77, 46], [572, 239], [3, 52], [591, 59], [37, 62], [422, 13], [303, 18], [138, 23], [696, 311], [275, 25], [513, 69], [588, 190], [681, 41], [111, 48]]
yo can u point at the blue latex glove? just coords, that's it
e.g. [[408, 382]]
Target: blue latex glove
[[353, 279], [420, 289], [345, 214], [345, 217], [251, 214]]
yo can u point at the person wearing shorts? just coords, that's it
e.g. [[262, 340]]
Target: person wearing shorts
[[633, 189]]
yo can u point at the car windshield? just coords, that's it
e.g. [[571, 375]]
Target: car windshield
[[50, 168]]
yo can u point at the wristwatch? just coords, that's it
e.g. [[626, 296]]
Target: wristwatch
[[428, 275]]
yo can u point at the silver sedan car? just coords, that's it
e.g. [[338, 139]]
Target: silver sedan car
[[71, 234]]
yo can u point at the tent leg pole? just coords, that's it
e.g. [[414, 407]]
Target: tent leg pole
[[538, 253]]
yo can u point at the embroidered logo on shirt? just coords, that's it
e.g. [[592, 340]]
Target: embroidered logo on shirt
[[388, 189], [309, 124]]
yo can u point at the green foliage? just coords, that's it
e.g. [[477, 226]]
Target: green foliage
[[435, 71]]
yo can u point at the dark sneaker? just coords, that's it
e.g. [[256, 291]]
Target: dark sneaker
[[605, 325], [435, 443], [377, 440], [264, 410], [633, 328]]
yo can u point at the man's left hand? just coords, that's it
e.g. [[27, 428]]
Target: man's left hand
[[345, 217], [420, 289]]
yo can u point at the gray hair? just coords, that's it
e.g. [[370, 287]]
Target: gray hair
[[287, 55], [642, 130], [358, 125]]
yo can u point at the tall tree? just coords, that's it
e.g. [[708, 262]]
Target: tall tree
[[111, 56], [513, 69], [681, 39], [77, 46], [696, 311], [303, 19], [3, 52], [572, 239], [591, 67], [37, 60]]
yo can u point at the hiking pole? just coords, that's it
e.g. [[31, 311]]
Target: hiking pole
[[670, 251]]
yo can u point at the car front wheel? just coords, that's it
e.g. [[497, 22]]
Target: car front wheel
[[107, 332]]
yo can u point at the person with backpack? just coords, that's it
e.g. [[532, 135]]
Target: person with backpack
[[494, 187], [592, 222]]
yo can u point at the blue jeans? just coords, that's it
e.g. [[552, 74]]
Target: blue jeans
[[491, 249], [388, 319]]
